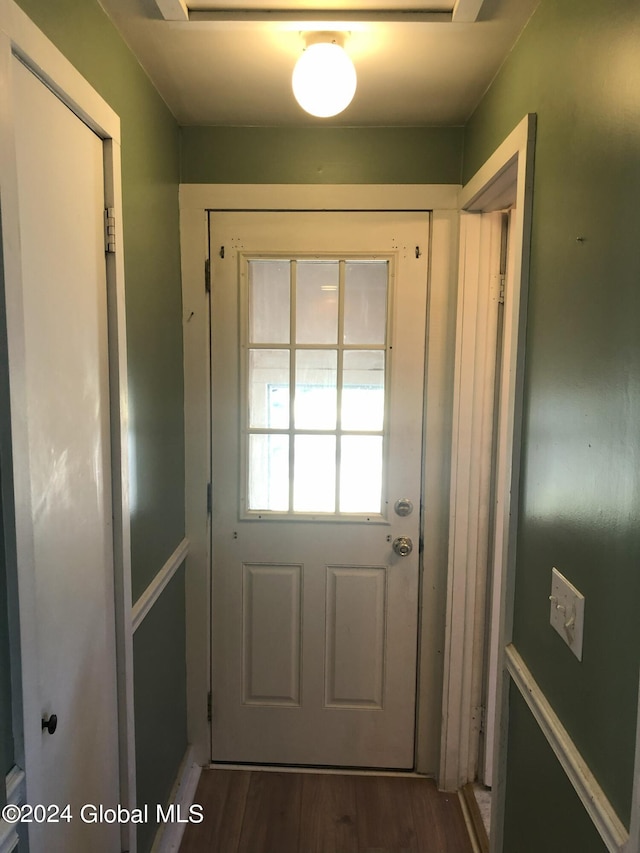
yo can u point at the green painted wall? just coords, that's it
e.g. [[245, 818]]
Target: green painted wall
[[326, 155], [150, 174], [541, 818], [160, 714], [576, 66]]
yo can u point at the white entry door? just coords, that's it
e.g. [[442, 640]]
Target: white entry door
[[65, 384], [318, 340]]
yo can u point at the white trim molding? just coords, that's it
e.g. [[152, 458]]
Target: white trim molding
[[173, 10], [634, 831], [8, 837], [463, 12], [466, 11], [15, 789], [15, 786], [15, 796], [611, 829], [471, 464], [153, 592], [196, 201], [319, 196], [438, 410], [505, 179], [169, 835], [44, 58]]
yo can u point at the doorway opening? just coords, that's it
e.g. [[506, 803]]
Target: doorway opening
[[485, 464], [197, 204]]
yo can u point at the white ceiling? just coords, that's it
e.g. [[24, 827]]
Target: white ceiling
[[232, 66]]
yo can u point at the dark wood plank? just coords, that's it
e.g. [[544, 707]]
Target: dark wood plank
[[265, 812], [223, 795], [438, 818], [328, 817], [385, 819], [272, 814]]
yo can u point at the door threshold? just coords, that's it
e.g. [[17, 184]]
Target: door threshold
[[328, 771]]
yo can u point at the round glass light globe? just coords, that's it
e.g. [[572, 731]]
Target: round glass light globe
[[324, 80]]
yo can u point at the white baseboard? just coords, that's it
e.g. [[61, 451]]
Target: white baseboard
[[169, 835], [612, 831]]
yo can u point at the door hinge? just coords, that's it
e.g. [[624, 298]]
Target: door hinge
[[418, 252], [482, 719], [501, 289], [209, 714], [222, 252], [207, 276], [209, 499], [110, 230]]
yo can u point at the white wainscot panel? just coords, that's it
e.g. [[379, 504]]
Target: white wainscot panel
[[271, 634], [355, 636]]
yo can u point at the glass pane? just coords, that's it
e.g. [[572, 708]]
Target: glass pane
[[363, 390], [269, 388], [365, 302], [317, 302], [316, 392], [361, 473], [269, 472], [269, 296], [314, 480]]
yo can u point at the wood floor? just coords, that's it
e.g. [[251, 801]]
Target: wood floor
[[267, 812]]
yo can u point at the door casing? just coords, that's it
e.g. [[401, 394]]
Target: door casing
[[196, 200], [506, 178], [19, 36]]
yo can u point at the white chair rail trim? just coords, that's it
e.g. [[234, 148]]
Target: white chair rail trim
[[612, 831], [15, 786], [153, 592]]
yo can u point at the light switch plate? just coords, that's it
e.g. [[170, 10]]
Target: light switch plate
[[567, 611]]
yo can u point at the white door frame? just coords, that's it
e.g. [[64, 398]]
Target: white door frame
[[506, 178], [195, 202], [20, 37]]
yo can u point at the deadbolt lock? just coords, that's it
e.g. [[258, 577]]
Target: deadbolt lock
[[403, 506], [403, 546]]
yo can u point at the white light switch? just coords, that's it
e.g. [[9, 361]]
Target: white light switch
[[567, 612]]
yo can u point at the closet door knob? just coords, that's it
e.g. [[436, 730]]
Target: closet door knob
[[51, 724]]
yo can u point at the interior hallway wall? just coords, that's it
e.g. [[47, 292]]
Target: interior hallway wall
[[576, 66], [321, 155], [150, 172]]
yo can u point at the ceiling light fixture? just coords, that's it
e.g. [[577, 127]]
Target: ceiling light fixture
[[324, 79]]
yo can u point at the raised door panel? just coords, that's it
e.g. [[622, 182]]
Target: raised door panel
[[271, 634], [355, 636]]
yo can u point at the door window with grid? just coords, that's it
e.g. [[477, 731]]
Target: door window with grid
[[315, 361]]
